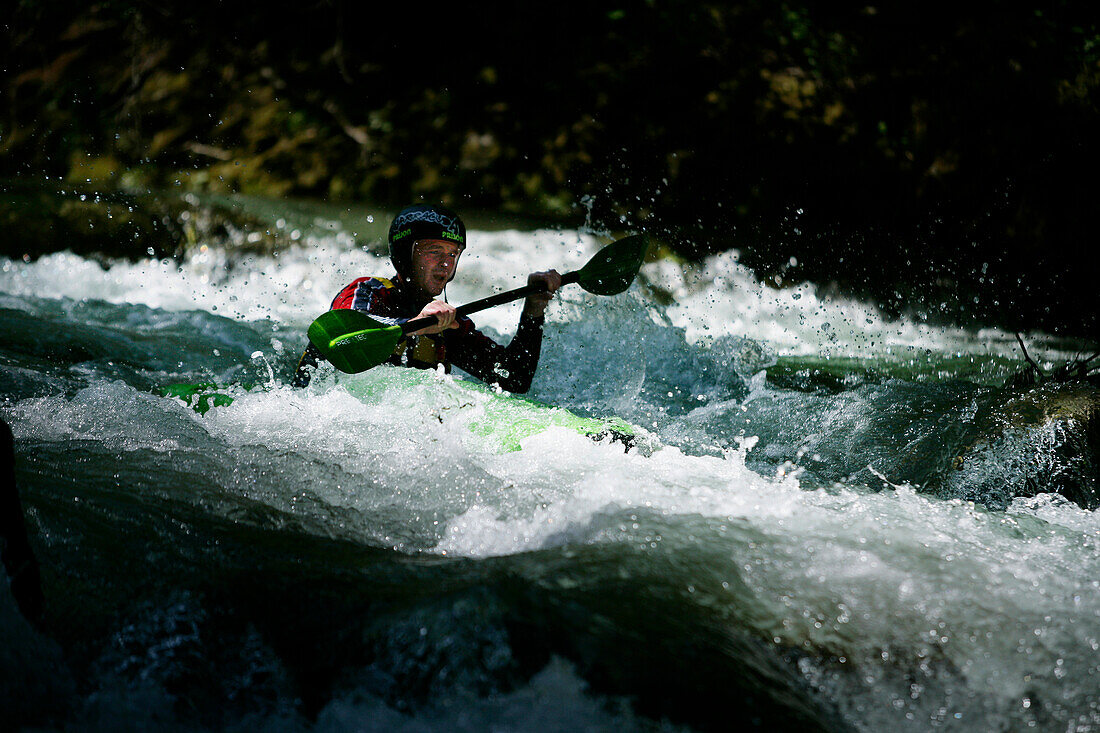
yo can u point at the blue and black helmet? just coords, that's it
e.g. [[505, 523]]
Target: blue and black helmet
[[422, 221]]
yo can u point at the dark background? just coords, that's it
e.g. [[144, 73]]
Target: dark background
[[938, 158]]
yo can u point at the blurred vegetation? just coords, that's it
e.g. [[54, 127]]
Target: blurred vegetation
[[909, 152]]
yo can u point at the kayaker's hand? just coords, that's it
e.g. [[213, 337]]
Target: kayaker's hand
[[443, 312], [536, 303]]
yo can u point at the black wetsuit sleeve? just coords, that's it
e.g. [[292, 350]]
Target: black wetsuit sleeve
[[512, 367], [311, 357]]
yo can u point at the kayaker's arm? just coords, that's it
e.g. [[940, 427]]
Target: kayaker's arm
[[443, 312], [311, 358], [512, 367], [535, 304]]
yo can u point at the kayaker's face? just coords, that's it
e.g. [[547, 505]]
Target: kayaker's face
[[433, 264]]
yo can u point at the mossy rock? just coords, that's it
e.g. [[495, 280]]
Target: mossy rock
[[1042, 440], [38, 220]]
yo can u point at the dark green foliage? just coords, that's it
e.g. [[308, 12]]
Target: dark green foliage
[[905, 151]]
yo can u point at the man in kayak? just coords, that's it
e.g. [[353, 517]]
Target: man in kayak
[[425, 245]]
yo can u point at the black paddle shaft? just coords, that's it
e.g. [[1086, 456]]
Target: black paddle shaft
[[493, 300]]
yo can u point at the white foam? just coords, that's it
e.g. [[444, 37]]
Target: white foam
[[722, 297], [1002, 602]]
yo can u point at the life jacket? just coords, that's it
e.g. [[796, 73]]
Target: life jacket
[[422, 352], [384, 300]]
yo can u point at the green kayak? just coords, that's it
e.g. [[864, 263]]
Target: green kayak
[[200, 396], [503, 419]]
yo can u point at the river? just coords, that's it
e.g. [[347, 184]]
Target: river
[[789, 544]]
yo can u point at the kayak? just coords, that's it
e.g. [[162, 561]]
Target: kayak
[[199, 396], [503, 419], [509, 419]]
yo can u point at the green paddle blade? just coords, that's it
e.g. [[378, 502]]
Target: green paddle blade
[[353, 341], [613, 268]]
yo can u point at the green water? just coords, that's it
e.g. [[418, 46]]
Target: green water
[[790, 544]]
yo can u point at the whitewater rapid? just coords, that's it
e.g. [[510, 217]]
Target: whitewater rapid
[[901, 609]]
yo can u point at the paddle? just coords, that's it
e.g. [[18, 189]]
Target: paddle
[[354, 342]]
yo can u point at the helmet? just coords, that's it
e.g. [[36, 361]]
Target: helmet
[[422, 221]]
